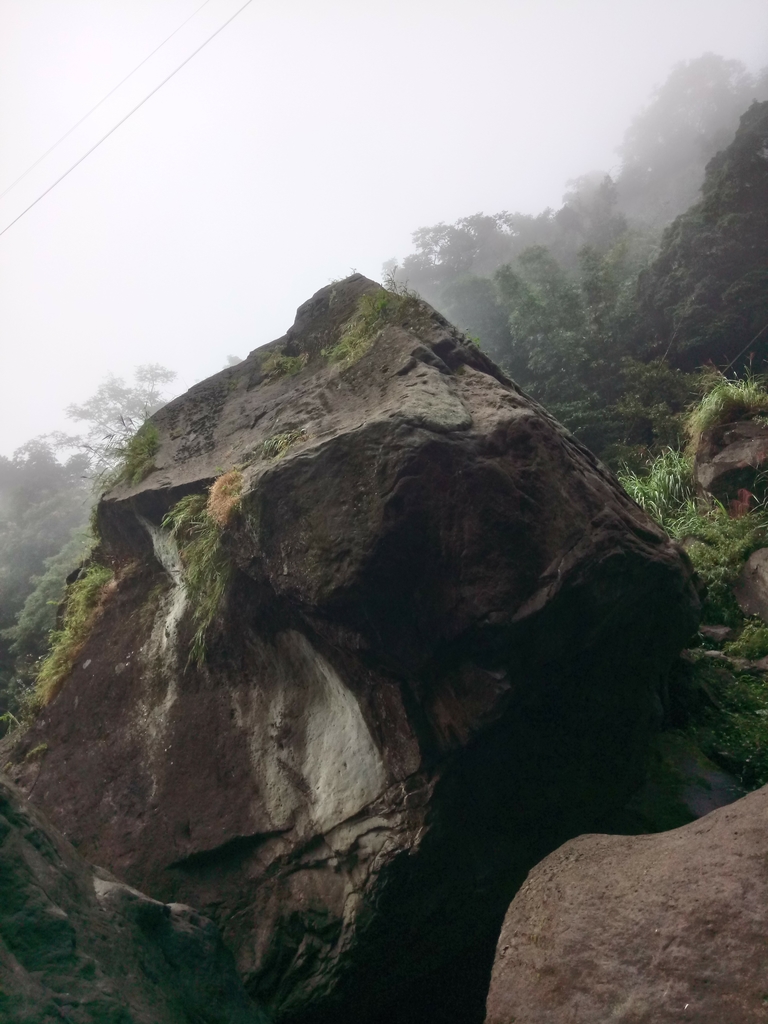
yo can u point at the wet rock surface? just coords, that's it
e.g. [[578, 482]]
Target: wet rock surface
[[77, 945], [439, 657], [658, 929]]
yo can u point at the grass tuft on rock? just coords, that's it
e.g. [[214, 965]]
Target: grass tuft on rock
[[277, 365], [375, 311], [719, 545], [197, 523], [136, 456], [752, 641], [224, 498], [278, 444], [84, 601], [725, 401], [665, 490]]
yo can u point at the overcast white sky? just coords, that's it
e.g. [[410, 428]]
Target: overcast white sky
[[307, 139]]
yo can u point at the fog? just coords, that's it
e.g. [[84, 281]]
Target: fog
[[305, 140]]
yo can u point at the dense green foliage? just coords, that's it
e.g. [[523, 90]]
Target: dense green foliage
[[726, 715], [29, 636], [705, 297], [718, 546], [720, 707], [44, 505], [752, 642]]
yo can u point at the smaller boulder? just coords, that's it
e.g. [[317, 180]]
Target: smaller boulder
[[716, 633], [730, 458], [653, 929], [751, 588]]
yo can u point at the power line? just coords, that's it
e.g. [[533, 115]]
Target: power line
[[102, 100], [121, 122]]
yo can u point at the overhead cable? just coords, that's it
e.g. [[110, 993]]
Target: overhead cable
[[123, 120], [102, 100]]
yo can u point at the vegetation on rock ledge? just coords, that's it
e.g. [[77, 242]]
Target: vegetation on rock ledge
[[395, 304], [136, 455], [726, 400], [278, 365], [197, 522], [84, 600], [278, 444]]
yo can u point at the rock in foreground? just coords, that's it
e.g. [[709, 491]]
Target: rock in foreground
[[649, 929], [439, 652], [76, 945]]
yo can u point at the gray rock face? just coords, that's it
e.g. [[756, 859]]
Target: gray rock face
[[438, 656], [77, 945], [751, 588], [650, 929], [730, 457]]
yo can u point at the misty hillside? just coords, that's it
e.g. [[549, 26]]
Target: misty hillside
[[555, 298], [389, 658]]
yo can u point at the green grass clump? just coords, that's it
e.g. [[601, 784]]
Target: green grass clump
[[137, 455], [726, 401], [278, 444], [751, 643], [277, 365], [10, 721], [718, 545], [37, 753], [197, 522], [83, 599], [375, 311], [665, 490]]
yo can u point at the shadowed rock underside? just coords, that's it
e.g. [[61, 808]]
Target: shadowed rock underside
[[77, 945]]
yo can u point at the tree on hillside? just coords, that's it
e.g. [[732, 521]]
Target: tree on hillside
[[117, 410], [690, 118], [45, 503], [477, 246], [554, 297], [705, 297]]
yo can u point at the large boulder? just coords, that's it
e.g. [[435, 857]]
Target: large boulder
[[77, 945], [653, 929], [439, 651]]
